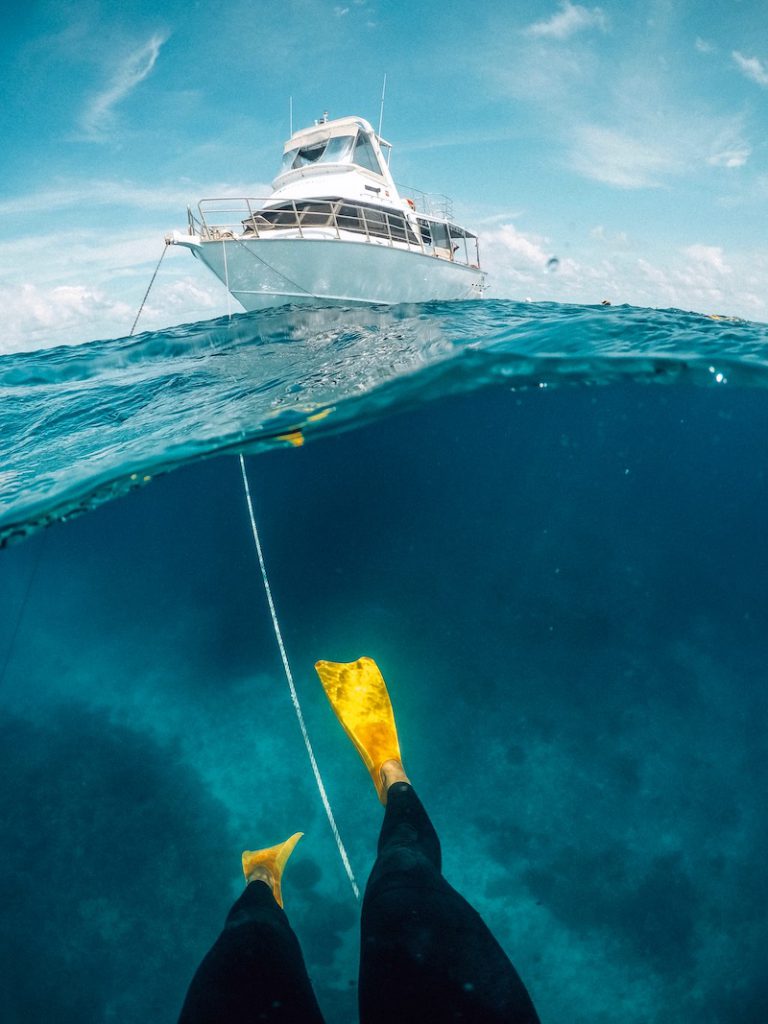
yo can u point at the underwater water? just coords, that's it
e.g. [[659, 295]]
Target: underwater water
[[546, 523]]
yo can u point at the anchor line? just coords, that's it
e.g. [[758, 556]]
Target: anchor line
[[292, 688], [273, 612], [149, 289], [273, 269]]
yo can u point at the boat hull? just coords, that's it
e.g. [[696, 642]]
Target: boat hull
[[261, 272]]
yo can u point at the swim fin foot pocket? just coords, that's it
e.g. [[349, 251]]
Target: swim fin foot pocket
[[358, 695], [272, 860]]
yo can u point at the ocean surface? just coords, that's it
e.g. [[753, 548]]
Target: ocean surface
[[546, 523]]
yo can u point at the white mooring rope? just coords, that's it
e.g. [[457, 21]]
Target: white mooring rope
[[273, 613], [149, 289], [292, 688]]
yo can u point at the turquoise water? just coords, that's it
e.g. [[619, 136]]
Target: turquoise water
[[545, 522]]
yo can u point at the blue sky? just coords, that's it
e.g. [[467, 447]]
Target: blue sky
[[626, 139]]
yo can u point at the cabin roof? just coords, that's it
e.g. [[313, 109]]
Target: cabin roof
[[328, 130]]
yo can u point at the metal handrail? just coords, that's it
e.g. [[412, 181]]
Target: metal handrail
[[430, 204], [244, 218]]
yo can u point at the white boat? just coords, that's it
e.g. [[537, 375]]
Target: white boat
[[336, 229]]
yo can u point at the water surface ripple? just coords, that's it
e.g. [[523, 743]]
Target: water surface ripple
[[84, 423]]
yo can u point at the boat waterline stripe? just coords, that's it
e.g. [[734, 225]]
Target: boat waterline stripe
[[311, 295]]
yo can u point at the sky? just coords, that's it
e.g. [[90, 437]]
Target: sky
[[627, 140]]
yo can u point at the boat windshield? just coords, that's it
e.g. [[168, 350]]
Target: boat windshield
[[337, 150]]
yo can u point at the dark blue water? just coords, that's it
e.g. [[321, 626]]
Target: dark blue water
[[565, 587]]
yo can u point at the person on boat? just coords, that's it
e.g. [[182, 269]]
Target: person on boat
[[425, 955]]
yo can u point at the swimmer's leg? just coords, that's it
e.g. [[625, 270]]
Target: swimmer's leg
[[426, 954], [255, 972]]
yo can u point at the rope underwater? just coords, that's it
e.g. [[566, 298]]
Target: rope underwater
[[281, 647], [275, 623], [292, 688]]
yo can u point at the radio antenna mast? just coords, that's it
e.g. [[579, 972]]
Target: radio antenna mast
[[290, 115], [381, 110]]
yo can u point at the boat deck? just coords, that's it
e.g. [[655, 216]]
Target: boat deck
[[332, 218]]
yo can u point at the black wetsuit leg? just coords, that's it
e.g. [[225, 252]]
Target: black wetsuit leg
[[255, 971], [426, 954]]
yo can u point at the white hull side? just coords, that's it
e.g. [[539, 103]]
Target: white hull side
[[273, 272]]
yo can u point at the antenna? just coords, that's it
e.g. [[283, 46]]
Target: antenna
[[290, 115], [381, 111]]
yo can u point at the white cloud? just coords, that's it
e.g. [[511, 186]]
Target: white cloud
[[704, 46], [91, 285], [735, 157], [614, 238], [45, 315], [128, 73], [752, 67], [698, 278], [40, 317], [93, 278], [340, 11], [709, 256], [605, 265], [618, 117], [657, 148], [615, 158], [526, 251], [570, 19], [107, 192], [721, 140], [519, 265]]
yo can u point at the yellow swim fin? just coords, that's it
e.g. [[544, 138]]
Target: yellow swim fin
[[358, 695], [273, 860]]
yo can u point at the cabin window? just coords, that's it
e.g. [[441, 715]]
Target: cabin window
[[459, 243], [289, 215], [397, 227], [439, 233], [426, 235], [401, 230], [308, 155], [348, 218], [410, 233], [364, 154], [387, 224], [337, 150], [315, 213], [280, 216], [376, 222]]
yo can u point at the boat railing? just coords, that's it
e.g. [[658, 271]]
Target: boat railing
[[430, 204], [243, 218]]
